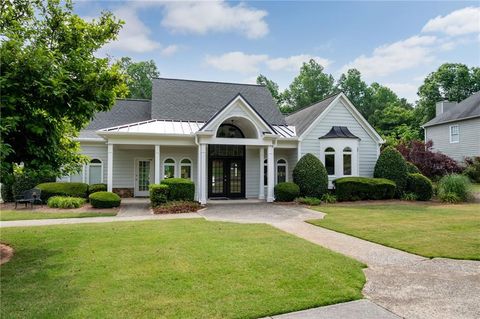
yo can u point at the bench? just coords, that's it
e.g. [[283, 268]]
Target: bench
[[31, 196]]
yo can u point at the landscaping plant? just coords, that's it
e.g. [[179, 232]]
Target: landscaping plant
[[158, 194], [360, 188], [180, 188], [65, 202], [311, 176], [455, 188], [328, 198], [97, 188], [412, 169], [391, 165], [63, 189], [104, 200], [420, 185], [473, 168], [310, 201], [286, 192]]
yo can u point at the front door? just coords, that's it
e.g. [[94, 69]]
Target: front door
[[143, 176], [226, 178]]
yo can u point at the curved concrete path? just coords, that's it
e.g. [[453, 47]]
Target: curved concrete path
[[408, 285]]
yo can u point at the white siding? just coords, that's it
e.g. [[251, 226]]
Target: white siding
[[98, 152], [339, 115], [252, 174], [469, 144]]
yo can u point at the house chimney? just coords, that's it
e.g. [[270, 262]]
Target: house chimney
[[444, 106]]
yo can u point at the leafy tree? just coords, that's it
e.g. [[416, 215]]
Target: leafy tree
[[139, 77], [310, 86], [272, 86], [51, 83], [451, 82], [356, 90]]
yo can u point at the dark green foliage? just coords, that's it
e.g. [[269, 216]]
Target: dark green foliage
[[311, 176], [420, 185], [65, 202], [6, 191], [328, 198], [180, 189], [360, 188], [63, 189], [473, 169], [158, 194], [412, 169], [139, 77], [286, 192], [455, 188], [391, 165], [97, 188], [104, 200], [310, 201]]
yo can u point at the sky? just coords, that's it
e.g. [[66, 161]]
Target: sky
[[396, 44]]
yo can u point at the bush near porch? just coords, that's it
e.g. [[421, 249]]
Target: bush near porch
[[362, 188], [179, 189], [286, 192], [158, 194], [63, 189], [311, 176], [104, 200]]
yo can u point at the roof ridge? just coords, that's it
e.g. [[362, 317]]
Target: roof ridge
[[313, 104], [205, 81]]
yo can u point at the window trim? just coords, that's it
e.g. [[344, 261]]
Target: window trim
[[186, 164], [87, 171], [347, 152], [174, 164], [277, 165], [325, 153], [457, 134]]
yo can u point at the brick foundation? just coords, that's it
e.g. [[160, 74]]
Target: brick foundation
[[124, 192]]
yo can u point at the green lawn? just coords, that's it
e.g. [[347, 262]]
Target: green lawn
[[169, 269], [451, 231], [24, 215], [476, 188]]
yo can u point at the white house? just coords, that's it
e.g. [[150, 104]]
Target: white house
[[230, 139]]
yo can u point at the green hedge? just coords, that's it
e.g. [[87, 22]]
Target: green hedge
[[391, 165], [97, 188], [180, 189], [311, 176], [104, 200], [412, 169], [158, 194], [420, 185], [65, 202], [286, 192], [63, 189], [360, 188]]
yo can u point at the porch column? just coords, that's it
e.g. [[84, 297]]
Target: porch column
[[109, 167], [202, 176], [270, 174], [261, 189], [157, 164]]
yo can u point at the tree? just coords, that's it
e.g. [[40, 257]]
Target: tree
[[356, 90], [451, 82], [139, 77], [51, 83], [310, 86], [272, 86]]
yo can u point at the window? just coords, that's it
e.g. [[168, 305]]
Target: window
[[265, 172], [229, 131], [95, 171], [454, 134], [169, 168], [347, 161], [186, 168], [330, 160], [281, 171]]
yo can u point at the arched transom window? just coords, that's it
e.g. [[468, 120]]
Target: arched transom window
[[281, 171], [347, 161], [169, 168], [229, 131], [186, 168]]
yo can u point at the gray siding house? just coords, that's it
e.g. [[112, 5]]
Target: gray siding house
[[455, 130], [230, 139]]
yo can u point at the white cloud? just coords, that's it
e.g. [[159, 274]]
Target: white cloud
[[202, 17], [236, 61], [170, 50], [405, 90], [294, 62], [459, 22], [397, 56]]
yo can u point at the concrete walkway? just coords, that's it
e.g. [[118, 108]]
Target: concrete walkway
[[135, 207]]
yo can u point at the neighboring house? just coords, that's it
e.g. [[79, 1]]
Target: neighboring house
[[455, 130], [230, 139]]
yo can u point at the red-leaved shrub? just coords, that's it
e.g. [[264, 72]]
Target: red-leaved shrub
[[432, 164]]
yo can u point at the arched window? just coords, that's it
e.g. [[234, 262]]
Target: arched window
[[169, 168], [186, 168], [95, 171], [265, 172], [330, 160], [229, 131], [347, 161], [281, 171]]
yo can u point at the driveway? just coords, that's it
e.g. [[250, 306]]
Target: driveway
[[408, 285]]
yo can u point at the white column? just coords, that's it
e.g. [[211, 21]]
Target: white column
[[202, 181], [157, 164], [109, 167], [270, 174], [261, 186]]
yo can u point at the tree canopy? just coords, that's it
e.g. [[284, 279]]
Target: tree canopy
[[139, 77]]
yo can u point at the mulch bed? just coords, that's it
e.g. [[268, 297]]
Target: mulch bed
[[177, 207], [6, 253]]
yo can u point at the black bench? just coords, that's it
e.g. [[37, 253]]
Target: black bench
[[31, 196]]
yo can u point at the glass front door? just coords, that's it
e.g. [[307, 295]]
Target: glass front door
[[142, 177], [226, 173]]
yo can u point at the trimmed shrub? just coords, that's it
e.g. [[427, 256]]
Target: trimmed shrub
[[420, 185], [410, 196], [65, 202], [412, 169], [177, 207], [359, 188], [455, 188], [328, 198], [310, 201], [104, 200], [97, 188], [473, 168], [391, 165], [180, 189], [158, 194], [311, 176], [286, 192], [63, 189]]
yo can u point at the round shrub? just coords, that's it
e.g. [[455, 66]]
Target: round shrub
[[311, 176], [158, 194], [63, 189], [456, 187], [391, 165], [104, 200], [286, 192], [180, 188], [420, 185], [65, 202], [97, 188], [412, 169]]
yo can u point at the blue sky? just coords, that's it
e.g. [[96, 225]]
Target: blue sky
[[394, 43]]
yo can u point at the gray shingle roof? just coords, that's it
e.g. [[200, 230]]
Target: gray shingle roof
[[468, 108], [302, 119], [199, 100]]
